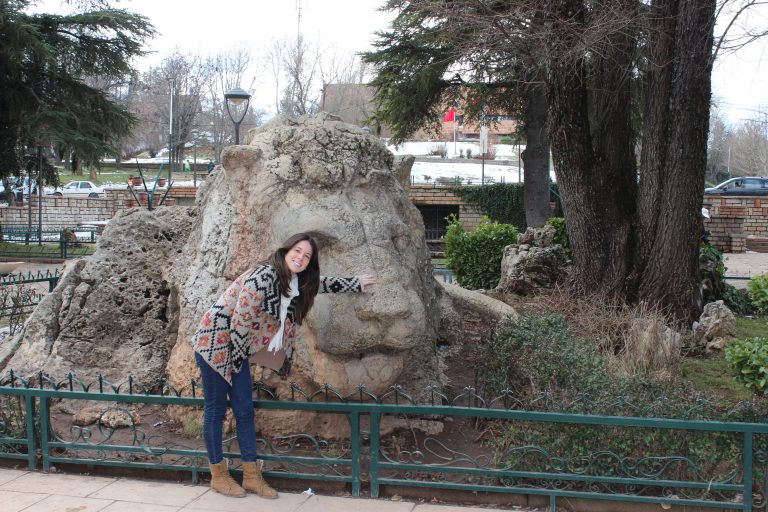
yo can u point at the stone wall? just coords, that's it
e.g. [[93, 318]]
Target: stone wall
[[735, 219]]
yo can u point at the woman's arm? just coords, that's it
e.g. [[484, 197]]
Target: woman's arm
[[330, 284]]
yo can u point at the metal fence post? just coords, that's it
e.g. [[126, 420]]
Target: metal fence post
[[29, 404], [354, 422], [373, 468], [747, 457], [45, 421]]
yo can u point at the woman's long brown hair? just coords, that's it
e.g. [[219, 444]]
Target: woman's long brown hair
[[309, 278]]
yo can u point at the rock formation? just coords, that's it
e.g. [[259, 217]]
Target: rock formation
[[715, 328], [132, 307], [534, 262], [114, 313]]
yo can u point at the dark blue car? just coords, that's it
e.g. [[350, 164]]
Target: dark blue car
[[744, 186]]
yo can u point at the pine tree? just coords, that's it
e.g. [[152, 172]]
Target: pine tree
[[45, 61]]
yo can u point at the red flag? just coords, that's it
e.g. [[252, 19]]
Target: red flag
[[450, 116]]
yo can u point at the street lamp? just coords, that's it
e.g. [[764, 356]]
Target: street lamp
[[236, 97]]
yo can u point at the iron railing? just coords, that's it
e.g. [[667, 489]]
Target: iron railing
[[21, 278], [363, 456], [31, 243]]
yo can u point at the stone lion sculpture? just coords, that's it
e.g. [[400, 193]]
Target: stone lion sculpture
[[132, 307], [330, 179]]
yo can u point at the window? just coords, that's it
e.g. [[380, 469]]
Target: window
[[85, 184], [434, 218]]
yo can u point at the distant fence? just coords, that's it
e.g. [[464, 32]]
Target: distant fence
[[366, 458], [32, 243]]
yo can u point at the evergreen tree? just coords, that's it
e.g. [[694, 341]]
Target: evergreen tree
[[45, 60]]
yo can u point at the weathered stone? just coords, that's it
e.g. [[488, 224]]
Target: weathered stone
[[112, 313], [539, 237], [119, 418], [525, 268], [716, 325], [318, 175], [88, 415]]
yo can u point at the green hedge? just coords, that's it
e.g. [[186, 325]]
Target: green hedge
[[503, 202], [474, 257]]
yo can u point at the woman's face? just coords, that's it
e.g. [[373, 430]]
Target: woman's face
[[297, 258]]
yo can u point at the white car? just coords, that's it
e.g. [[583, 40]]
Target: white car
[[79, 189]]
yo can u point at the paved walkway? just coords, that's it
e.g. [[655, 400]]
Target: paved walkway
[[32, 491]]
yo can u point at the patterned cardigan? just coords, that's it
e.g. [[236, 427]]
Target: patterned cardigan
[[247, 315]]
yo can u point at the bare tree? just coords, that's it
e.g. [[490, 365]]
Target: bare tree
[[718, 149], [749, 148], [181, 79]]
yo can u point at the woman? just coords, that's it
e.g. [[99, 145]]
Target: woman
[[259, 310]]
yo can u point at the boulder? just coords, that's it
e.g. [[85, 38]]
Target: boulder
[[716, 326], [525, 268]]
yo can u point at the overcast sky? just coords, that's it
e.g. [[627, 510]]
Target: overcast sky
[[740, 80]]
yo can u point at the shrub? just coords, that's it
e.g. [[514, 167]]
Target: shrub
[[711, 273], [561, 234], [439, 150], [534, 355], [748, 358], [474, 257], [738, 300], [758, 290]]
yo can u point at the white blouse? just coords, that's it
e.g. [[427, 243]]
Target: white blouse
[[276, 343]]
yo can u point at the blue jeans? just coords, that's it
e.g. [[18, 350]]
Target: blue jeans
[[215, 392]]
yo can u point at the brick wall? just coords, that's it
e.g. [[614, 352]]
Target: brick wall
[[60, 211], [733, 219], [433, 194], [65, 211]]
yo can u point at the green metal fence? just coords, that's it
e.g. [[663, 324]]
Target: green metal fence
[[27, 243], [365, 458]]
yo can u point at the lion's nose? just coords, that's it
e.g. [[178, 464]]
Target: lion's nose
[[388, 302]]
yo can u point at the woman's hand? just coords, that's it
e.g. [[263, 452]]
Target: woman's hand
[[366, 282]]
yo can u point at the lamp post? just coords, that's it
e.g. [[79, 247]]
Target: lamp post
[[170, 132], [236, 97]]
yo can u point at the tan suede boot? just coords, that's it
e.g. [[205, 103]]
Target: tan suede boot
[[254, 482], [222, 482]]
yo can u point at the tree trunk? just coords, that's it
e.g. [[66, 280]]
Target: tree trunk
[[536, 157], [644, 247], [670, 271], [593, 191]]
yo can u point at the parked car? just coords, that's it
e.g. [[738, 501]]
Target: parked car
[[79, 189], [744, 186]]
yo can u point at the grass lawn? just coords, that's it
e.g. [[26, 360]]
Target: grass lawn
[[109, 175], [46, 249], [711, 375]]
